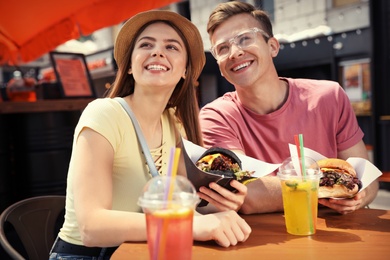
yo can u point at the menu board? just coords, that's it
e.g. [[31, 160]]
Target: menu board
[[73, 75]]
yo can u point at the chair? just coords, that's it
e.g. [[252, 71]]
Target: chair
[[36, 222]]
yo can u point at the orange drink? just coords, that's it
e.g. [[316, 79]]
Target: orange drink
[[300, 194], [170, 233]]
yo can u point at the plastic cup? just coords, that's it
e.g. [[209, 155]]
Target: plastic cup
[[300, 195], [169, 204]]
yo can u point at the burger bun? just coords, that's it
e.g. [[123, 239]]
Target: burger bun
[[337, 191], [335, 163]]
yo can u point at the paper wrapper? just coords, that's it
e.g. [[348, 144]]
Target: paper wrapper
[[365, 170], [199, 178]]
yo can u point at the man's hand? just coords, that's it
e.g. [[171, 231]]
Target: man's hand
[[223, 199], [345, 206]]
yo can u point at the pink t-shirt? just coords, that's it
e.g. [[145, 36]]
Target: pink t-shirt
[[318, 109]]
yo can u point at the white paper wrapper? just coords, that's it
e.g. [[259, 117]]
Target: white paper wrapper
[[260, 168], [199, 178]]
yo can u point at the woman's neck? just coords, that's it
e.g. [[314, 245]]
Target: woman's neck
[[148, 115]]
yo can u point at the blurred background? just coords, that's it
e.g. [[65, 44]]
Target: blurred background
[[343, 40]]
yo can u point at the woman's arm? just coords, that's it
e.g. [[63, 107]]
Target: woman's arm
[[100, 225]]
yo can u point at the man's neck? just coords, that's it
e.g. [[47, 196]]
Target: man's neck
[[264, 98]]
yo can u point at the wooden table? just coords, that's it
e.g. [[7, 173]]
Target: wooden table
[[364, 234]]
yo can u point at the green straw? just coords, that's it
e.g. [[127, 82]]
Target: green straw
[[303, 167]]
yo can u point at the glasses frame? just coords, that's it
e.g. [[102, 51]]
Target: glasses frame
[[233, 40]]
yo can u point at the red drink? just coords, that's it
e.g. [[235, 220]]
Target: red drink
[[169, 204], [169, 233], [26, 95]]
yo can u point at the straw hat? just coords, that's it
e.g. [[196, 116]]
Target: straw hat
[[188, 29]]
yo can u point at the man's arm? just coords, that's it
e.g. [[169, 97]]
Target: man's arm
[[359, 150], [264, 195]]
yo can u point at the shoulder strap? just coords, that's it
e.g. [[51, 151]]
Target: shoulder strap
[[141, 139]]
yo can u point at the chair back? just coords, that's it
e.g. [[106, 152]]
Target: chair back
[[36, 222]]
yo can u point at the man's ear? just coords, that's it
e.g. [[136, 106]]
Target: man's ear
[[274, 46]]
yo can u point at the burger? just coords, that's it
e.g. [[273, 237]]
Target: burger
[[338, 179], [224, 162]]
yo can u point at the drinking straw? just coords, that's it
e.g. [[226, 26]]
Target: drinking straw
[[172, 172], [303, 167], [170, 162], [297, 145], [296, 139]]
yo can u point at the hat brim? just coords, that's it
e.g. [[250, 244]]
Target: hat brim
[[188, 29]]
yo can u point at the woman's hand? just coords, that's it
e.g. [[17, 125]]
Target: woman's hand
[[223, 199], [226, 228]]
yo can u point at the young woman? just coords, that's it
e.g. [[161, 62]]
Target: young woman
[[160, 56]]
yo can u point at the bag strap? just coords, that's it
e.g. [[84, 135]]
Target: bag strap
[[141, 138]]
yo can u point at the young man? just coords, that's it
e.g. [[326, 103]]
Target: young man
[[262, 116]]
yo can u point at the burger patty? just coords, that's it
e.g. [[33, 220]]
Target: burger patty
[[331, 178], [224, 163]]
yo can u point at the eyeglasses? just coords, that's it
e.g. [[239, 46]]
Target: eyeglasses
[[242, 40]]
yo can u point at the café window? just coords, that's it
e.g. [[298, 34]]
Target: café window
[[355, 78]]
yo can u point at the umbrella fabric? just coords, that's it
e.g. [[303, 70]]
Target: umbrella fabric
[[31, 28]]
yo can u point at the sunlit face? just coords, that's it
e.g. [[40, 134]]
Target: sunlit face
[[159, 57], [245, 54], [243, 40]]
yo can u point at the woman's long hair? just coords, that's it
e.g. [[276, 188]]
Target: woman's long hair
[[183, 99]]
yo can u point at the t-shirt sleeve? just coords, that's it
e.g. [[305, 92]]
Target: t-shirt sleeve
[[348, 133], [103, 116], [219, 128]]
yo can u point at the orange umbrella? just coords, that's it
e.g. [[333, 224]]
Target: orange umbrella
[[31, 28]]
